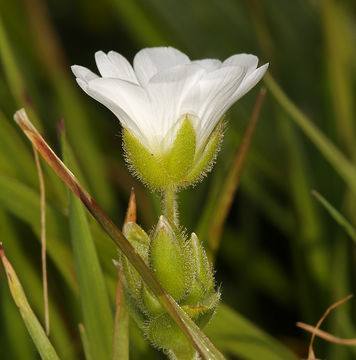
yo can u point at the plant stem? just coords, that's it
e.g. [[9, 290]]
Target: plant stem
[[170, 205]]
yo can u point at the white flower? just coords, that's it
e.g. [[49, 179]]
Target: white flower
[[152, 98]]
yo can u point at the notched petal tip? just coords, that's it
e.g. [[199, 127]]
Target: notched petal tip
[[83, 73]]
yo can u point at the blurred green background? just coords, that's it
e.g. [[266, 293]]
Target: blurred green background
[[282, 258]]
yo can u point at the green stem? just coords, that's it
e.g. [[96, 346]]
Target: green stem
[[170, 205]]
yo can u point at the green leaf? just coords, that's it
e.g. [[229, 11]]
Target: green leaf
[[15, 159], [16, 331], [337, 24], [85, 342], [32, 282], [337, 216], [121, 326], [336, 158], [34, 327], [201, 343], [97, 314], [237, 336], [11, 69], [24, 203], [215, 216]]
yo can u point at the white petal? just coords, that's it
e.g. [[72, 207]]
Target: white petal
[[127, 101], [114, 65], [83, 84], [167, 91], [83, 73], [210, 96], [208, 64], [123, 67], [249, 82], [150, 61], [244, 60]]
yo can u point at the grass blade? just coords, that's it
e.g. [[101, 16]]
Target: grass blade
[[92, 289], [16, 332], [54, 62], [336, 158], [202, 344], [85, 342], [43, 239], [14, 78], [34, 327], [31, 282], [24, 203], [239, 337], [337, 25], [232, 181], [121, 324], [336, 215]]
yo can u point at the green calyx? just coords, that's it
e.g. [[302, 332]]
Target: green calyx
[[181, 166], [182, 268], [167, 260]]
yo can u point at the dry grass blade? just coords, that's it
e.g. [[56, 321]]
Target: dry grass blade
[[131, 209], [43, 240], [233, 179], [326, 336], [323, 334], [202, 344]]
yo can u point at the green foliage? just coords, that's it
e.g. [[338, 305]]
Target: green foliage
[[93, 293], [33, 326], [281, 257]]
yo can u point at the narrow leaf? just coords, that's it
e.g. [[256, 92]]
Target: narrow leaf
[[121, 325], [121, 322], [92, 289], [336, 158], [24, 203], [34, 327], [189, 328], [43, 239], [30, 279], [85, 342], [337, 216], [239, 337], [232, 181]]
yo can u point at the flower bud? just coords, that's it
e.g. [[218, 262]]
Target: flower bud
[[201, 272], [182, 268], [167, 260], [140, 241]]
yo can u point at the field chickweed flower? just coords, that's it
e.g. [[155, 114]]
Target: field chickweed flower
[[170, 107], [171, 110]]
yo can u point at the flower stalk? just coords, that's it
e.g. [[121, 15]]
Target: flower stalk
[[170, 205]]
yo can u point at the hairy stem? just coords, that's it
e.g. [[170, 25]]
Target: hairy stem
[[170, 205]]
